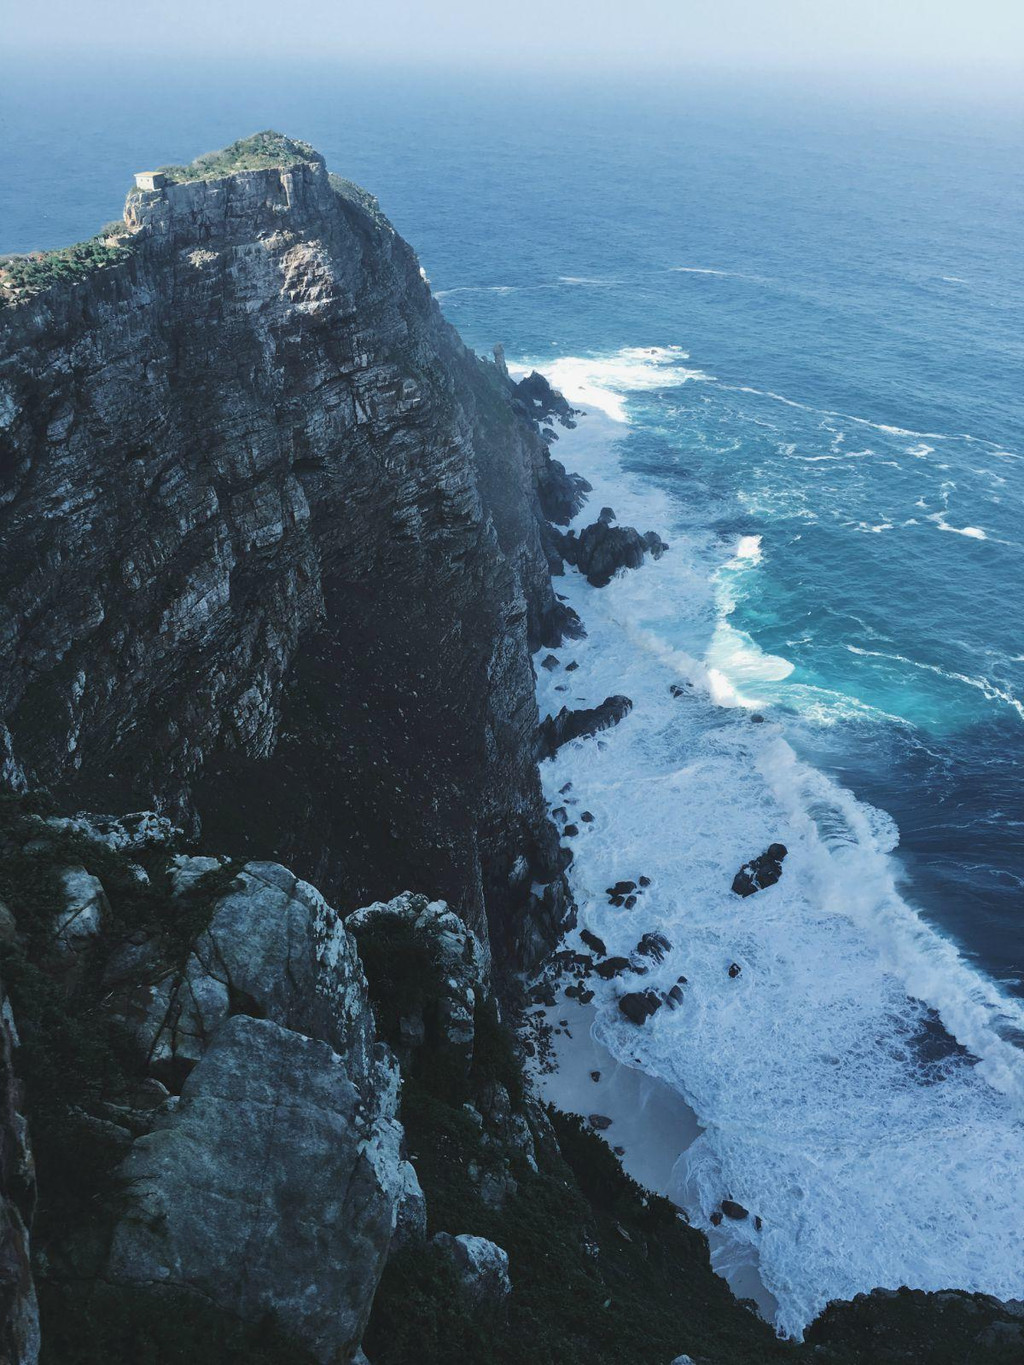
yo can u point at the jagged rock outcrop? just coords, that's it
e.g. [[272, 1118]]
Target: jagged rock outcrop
[[482, 1267], [567, 725], [325, 614], [601, 549], [458, 963]]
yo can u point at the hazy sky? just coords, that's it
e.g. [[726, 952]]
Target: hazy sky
[[818, 35]]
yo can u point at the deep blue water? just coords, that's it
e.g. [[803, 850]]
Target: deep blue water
[[870, 274]]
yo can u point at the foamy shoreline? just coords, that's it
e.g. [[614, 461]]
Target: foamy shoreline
[[869, 1159]]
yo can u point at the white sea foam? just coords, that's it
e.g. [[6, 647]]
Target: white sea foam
[[872, 1160], [604, 382]]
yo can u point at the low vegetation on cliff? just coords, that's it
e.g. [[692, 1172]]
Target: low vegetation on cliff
[[22, 277], [259, 152]]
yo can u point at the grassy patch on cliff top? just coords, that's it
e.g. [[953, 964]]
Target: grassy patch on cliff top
[[259, 152]]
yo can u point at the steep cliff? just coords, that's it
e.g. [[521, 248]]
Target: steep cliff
[[275, 548]]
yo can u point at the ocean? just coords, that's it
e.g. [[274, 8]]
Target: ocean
[[793, 319]]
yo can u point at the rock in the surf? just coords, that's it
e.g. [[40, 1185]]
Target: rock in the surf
[[557, 730], [612, 967], [760, 872], [638, 1006], [595, 944], [733, 1210], [654, 945]]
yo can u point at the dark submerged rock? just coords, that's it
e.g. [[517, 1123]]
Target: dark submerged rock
[[733, 1210], [654, 945]]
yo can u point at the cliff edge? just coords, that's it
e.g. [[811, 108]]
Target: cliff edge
[[276, 547]]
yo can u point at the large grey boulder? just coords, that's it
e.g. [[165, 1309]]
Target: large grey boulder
[[482, 1266], [274, 948], [274, 1183], [268, 1187]]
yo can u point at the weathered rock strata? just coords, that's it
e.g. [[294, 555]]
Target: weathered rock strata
[[316, 639]]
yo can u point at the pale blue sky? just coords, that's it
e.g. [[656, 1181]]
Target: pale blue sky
[[885, 36]]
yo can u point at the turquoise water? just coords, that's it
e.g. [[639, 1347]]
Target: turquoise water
[[797, 320]]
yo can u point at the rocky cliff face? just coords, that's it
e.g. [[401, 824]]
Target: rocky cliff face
[[275, 553]]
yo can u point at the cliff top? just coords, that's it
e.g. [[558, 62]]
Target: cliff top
[[259, 152], [24, 276]]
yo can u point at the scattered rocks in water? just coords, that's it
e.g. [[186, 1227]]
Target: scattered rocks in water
[[630, 901], [557, 730], [734, 969], [544, 994], [733, 1210], [595, 1076], [654, 945], [585, 997], [617, 900], [561, 688], [607, 515], [621, 888], [682, 980], [760, 872], [757, 718], [571, 667], [594, 943], [550, 663], [567, 788], [680, 689], [758, 1224], [612, 966], [599, 1122], [570, 831], [619, 1151], [716, 1218], [675, 997], [559, 813], [638, 1006], [644, 881], [587, 818]]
